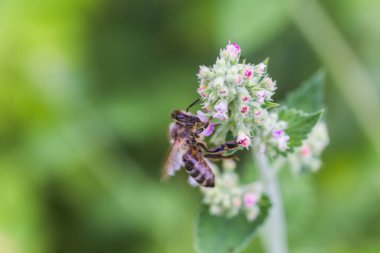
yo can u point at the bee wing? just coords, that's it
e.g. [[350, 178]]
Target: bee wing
[[173, 128], [174, 160]]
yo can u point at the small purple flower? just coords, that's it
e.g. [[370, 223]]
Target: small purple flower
[[208, 131], [201, 90], [202, 116], [283, 142], [281, 138], [261, 95], [232, 50], [278, 133], [221, 111], [236, 47], [221, 107], [248, 73], [221, 116]]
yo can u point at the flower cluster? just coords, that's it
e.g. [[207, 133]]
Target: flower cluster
[[235, 99], [229, 198], [235, 95], [307, 157]]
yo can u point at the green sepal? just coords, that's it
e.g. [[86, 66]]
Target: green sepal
[[268, 105], [266, 61]]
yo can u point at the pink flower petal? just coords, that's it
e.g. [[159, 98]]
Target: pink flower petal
[[250, 199]]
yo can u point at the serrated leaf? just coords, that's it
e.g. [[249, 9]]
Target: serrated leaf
[[227, 235], [309, 96], [299, 125]]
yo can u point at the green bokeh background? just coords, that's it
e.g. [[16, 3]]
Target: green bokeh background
[[86, 88]]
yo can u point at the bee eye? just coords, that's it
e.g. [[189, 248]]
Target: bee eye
[[180, 117]]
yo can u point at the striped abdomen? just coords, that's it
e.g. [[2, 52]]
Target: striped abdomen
[[198, 169]]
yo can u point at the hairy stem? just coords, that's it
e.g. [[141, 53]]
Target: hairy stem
[[273, 233]]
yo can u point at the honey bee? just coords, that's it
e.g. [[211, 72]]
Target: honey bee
[[187, 151]]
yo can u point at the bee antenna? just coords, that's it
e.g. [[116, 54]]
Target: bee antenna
[[192, 104]]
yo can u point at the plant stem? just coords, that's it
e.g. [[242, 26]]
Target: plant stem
[[273, 232]]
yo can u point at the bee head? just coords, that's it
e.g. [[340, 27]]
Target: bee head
[[185, 117]]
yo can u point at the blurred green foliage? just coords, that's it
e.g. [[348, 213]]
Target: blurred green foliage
[[86, 88]]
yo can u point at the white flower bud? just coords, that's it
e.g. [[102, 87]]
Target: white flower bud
[[258, 116], [269, 84], [252, 213], [204, 72], [218, 82], [230, 78], [260, 68], [220, 63], [215, 210], [234, 69]]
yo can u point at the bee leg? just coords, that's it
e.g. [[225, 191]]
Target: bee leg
[[225, 146], [200, 130], [220, 156], [202, 146]]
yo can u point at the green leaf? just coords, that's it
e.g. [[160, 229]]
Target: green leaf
[[299, 126], [309, 96], [227, 235]]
